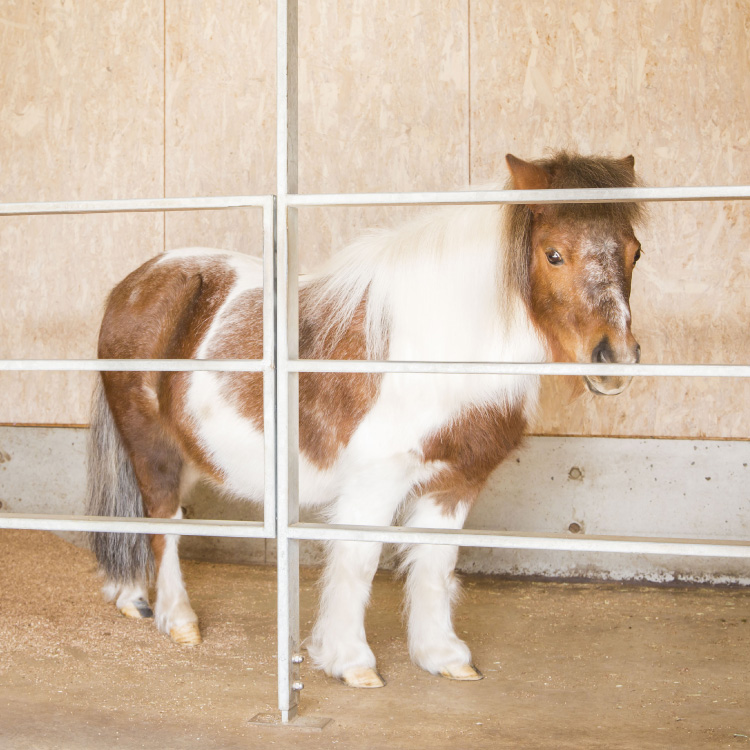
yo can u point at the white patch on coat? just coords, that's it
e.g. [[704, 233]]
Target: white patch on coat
[[193, 253], [601, 277]]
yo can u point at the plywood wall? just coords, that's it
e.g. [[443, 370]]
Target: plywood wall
[[81, 97], [220, 117], [177, 98]]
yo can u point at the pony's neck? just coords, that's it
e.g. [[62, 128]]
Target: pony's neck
[[436, 290], [449, 298]]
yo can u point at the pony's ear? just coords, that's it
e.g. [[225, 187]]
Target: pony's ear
[[528, 176], [525, 175], [629, 162]]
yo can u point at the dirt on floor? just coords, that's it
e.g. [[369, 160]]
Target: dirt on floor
[[566, 665]]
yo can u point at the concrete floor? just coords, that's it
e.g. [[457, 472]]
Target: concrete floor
[[567, 665]]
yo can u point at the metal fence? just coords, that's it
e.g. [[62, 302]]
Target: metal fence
[[281, 367]]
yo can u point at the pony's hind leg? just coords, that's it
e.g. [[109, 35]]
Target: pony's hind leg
[[160, 475], [431, 589], [174, 615], [128, 589], [158, 467]]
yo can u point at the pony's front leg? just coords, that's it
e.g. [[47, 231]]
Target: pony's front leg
[[431, 589], [338, 643]]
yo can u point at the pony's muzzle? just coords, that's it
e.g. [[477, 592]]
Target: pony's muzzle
[[606, 385], [611, 385]]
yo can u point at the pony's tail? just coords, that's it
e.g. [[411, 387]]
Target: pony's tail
[[112, 490]]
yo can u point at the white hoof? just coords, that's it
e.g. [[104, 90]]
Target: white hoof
[[461, 672], [362, 677], [188, 634]]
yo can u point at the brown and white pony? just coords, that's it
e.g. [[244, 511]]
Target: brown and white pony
[[474, 283]]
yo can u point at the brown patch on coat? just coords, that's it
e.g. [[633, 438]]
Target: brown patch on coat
[[158, 545], [472, 446], [160, 311], [198, 315], [241, 337], [331, 405]]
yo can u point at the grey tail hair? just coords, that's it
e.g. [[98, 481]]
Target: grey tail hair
[[112, 490]]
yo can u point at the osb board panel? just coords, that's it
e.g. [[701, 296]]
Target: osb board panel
[[80, 118], [667, 82], [220, 120], [384, 94], [80, 93], [383, 105], [57, 271], [237, 229]]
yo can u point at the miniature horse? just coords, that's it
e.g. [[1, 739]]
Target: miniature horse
[[523, 283]]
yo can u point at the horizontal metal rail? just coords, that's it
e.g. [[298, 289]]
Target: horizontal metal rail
[[136, 365], [386, 534], [183, 527], [584, 195], [136, 205], [520, 540], [519, 368], [377, 366], [456, 197]]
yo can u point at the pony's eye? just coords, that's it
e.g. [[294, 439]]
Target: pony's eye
[[637, 256], [554, 257]]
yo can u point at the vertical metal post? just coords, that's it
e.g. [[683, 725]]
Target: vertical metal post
[[287, 347], [269, 365]]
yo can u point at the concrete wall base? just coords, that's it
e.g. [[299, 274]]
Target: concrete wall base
[[630, 487]]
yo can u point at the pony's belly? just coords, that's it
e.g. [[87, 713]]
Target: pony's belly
[[229, 442], [235, 447]]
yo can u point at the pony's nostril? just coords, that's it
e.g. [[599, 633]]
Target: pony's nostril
[[637, 353], [602, 352]]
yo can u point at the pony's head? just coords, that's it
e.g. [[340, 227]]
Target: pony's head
[[573, 263]]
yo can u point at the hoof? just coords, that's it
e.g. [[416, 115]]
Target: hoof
[[362, 678], [186, 635], [138, 610], [462, 672]]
